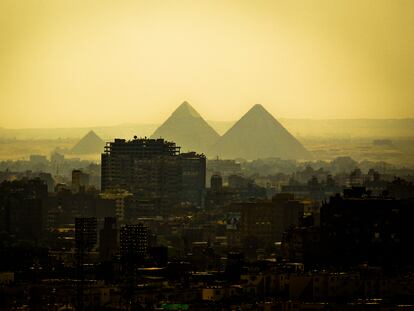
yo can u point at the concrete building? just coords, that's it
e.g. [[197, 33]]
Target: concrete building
[[21, 208], [216, 183], [85, 233], [154, 170], [223, 167], [119, 196], [358, 227], [134, 243], [80, 181], [108, 239], [265, 221]]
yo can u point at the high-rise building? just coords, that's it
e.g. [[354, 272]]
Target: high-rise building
[[154, 171], [80, 181], [108, 239], [216, 183], [265, 221], [134, 242], [358, 227], [22, 209], [193, 172], [85, 233]]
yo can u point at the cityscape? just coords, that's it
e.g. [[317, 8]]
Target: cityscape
[[294, 196]]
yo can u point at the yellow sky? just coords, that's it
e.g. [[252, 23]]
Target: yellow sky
[[79, 63]]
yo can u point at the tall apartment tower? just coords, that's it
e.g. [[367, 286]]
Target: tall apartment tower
[[134, 242], [85, 233], [153, 170], [22, 210], [80, 181], [108, 239]]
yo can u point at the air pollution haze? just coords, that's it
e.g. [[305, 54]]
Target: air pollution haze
[[98, 63], [206, 155]]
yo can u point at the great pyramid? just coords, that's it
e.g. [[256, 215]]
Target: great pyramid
[[258, 135], [89, 144], [187, 129]]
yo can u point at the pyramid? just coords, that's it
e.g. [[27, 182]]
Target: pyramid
[[258, 135], [89, 144], [187, 129]]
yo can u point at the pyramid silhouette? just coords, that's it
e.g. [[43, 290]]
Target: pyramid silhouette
[[258, 135], [89, 144], [187, 129]]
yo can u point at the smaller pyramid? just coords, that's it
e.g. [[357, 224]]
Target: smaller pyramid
[[89, 144], [187, 129]]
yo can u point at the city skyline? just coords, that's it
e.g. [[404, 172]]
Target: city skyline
[[206, 155]]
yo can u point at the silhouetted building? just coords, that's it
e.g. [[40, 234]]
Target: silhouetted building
[[359, 228], [80, 181], [65, 206], [303, 244], [38, 159], [265, 221], [21, 208], [119, 196], [313, 189], [159, 255], [154, 170], [223, 167], [134, 243], [238, 182], [216, 183], [108, 239], [85, 233], [193, 172], [400, 188]]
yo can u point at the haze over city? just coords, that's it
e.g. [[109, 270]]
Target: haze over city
[[206, 155], [77, 64]]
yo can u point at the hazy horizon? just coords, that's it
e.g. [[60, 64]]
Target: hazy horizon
[[207, 120], [72, 64]]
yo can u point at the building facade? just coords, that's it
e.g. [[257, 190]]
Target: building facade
[[154, 170]]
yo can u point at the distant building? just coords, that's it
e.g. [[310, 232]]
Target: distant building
[[223, 167], [401, 189], [265, 221], [193, 170], [57, 158], [38, 159], [154, 170], [48, 179], [80, 181], [313, 189], [216, 183], [65, 206]]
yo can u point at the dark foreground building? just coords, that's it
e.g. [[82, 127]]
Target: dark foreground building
[[359, 228], [356, 228], [21, 211]]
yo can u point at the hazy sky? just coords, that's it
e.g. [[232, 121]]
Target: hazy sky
[[79, 63]]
